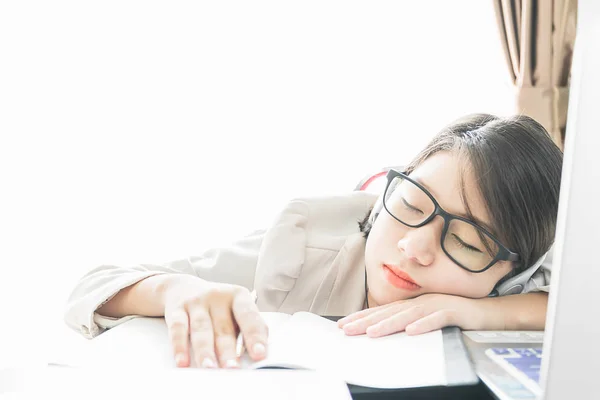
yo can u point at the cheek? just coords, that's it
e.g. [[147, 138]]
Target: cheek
[[387, 227], [384, 236], [453, 280]]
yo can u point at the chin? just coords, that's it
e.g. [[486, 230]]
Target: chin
[[390, 297]]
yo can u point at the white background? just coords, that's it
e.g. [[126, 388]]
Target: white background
[[144, 131]]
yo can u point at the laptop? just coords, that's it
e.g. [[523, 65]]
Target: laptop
[[563, 362], [507, 362]]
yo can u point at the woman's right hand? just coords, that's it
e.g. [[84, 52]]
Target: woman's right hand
[[209, 316]]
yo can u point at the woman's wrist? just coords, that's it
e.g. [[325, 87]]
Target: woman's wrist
[[493, 314], [146, 297], [478, 314], [515, 312], [166, 284]]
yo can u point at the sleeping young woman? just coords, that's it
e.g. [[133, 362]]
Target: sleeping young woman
[[459, 237]]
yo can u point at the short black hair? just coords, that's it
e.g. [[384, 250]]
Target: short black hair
[[518, 170]]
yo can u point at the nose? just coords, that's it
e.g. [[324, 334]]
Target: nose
[[421, 244]]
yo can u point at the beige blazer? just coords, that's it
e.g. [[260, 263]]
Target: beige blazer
[[310, 259]]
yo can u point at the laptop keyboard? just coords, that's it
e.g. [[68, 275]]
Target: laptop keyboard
[[522, 363], [506, 337]]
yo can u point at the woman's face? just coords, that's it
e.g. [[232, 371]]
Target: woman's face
[[416, 253]]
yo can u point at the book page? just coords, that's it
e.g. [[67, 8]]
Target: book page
[[303, 340], [143, 342], [394, 361], [276, 322]]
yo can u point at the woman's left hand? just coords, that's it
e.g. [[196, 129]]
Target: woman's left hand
[[422, 314]]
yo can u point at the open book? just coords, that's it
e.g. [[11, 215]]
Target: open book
[[307, 341]]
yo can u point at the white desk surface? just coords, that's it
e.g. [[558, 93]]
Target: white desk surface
[[67, 383]]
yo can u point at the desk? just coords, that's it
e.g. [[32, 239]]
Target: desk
[[169, 383]]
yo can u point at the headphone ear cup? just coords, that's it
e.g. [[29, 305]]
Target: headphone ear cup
[[516, 284], [513, 285]]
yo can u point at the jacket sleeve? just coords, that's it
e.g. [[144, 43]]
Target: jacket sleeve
[[235, 264]]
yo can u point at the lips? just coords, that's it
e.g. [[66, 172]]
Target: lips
[[399, 278]]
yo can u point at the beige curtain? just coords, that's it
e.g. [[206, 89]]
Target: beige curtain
[[538, 38]]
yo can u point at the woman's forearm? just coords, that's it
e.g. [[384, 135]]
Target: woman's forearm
[[142, 298], [517, 312]]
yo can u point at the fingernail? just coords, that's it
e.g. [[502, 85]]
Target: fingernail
[[259, 349], [208, 363], [231, 364], [372, 331], [179, 359]]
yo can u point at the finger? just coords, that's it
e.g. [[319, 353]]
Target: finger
[[431, 322], [357, 315], [252, 326], [358, 327], [202, 337], [178, 327], [397, 322], [225, 334]]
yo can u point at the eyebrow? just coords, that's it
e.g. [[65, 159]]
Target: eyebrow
[[475, 220]]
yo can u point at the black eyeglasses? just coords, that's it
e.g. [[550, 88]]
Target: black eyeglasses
[[469, 245]]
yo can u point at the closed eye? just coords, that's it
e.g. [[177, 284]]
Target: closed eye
[[411, 207], [464, 245]]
